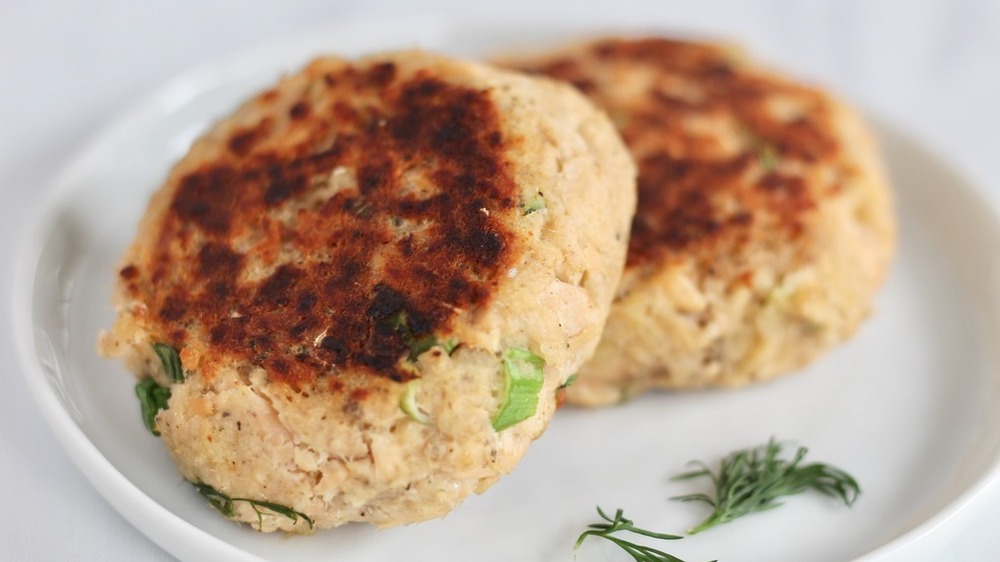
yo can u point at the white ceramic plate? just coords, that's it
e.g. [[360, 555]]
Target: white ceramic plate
[[910, 406]]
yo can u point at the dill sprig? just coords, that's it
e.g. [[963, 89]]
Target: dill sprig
[[639, 552], [224, 504], [751, 480]]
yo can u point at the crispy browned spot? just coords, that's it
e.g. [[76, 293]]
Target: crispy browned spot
[[411, 241], [242, 142], [690, 198]]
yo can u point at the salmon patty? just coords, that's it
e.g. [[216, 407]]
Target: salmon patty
[[764, 225], [356, 298]]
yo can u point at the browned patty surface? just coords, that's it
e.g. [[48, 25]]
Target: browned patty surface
[[422, 237], [686, 191], [764, 221]]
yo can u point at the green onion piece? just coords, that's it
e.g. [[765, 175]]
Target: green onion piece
[[449, 346], [534, 203], [421, 346], [624, 394], [409, 368], [424, 344], [400, 322], [767, 154], [523, 373], [171, 361], [569, 381], [408, 403], [768, 157], [152, 399]]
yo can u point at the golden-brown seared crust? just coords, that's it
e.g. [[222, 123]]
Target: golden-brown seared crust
[[259, 256], [764, 225], [697, 190]]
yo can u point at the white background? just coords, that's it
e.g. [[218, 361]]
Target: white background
[[66, 68]]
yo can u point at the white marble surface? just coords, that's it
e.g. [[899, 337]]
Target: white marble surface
[[68, 67]]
